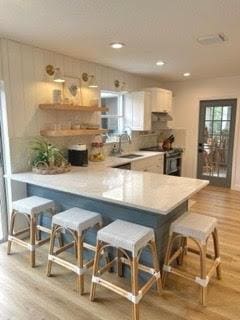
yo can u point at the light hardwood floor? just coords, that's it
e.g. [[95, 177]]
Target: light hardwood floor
[[27, 293]]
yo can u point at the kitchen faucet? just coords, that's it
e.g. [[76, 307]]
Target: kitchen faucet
[[120, 141], [119, 150]]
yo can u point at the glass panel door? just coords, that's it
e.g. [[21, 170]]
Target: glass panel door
[[215, 143]]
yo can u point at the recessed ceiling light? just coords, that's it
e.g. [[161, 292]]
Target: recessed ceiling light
[[160, 63], [117, 45], [187, 74]]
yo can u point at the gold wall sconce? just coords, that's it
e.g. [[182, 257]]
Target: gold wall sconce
[[119, 84], [55, 72], [57, 75], [90, 78]]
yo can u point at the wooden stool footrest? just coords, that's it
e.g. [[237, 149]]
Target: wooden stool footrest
[[176, 255], [193, 250], [178, 273], [44, 229], [149, 283], [89, 246], [42, 242], [140, 266], [22, 243], [124, 293], [65, 247], [21, 232], [67, 264], [107, 266]]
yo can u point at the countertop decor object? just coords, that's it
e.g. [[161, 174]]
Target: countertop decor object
[[48, 159], [97, 153]]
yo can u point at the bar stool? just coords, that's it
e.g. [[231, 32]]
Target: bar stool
[[199, 228], [30, 208], [76, 221], [126, 237]]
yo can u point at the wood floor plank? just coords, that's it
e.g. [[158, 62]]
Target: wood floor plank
[[27, 293]]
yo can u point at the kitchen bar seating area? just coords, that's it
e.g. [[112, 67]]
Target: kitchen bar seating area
[[173, 299], [127, 239], [119, 160]]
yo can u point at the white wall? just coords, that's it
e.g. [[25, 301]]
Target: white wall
[[22, 69], [187, 95]]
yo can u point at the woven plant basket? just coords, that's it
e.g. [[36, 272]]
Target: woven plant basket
[[43, 168]]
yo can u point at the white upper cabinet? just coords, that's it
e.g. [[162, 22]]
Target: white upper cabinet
[[161, 100], [138, 110]]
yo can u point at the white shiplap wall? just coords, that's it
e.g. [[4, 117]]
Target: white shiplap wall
[[22, 69]]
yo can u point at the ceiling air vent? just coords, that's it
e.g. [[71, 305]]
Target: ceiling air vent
[[212, 39]]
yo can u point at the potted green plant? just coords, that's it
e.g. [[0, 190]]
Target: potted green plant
[[47, 158]]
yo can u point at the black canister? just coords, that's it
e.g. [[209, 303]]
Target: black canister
[[78, 155]]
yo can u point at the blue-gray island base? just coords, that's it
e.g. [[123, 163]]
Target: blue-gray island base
[[112, 211]]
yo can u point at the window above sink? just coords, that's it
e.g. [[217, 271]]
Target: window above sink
[[113, 120]]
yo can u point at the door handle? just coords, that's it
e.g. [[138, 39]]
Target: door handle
[[200, 147]]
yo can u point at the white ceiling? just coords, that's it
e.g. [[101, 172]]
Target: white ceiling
[[151, 29]]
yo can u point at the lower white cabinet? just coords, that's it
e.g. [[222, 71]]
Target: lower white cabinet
[[152, 164]]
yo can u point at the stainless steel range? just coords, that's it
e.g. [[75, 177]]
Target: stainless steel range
[[172, 160]]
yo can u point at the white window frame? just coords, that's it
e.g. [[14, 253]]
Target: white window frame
[[120, 114]]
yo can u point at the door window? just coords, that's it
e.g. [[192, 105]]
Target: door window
[[216, 131]]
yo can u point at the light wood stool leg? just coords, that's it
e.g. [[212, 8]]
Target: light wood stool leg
[[59, 234], [76, 245], [12, 222], [80, 263], [134, 274], [51, 248], [156, 265], [119, 263], [217, 253], [32, 240], [167, 258], [183, 245], [95, 270], [60, 239], [203, 258], [39, 232]]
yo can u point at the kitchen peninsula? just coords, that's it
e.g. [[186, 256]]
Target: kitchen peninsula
[[145, 198]]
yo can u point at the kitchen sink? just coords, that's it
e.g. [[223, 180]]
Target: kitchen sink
[[130, 156]]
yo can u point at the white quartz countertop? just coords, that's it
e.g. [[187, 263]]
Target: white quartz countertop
[[141, 190]]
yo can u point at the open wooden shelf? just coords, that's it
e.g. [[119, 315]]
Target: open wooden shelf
[[70, 107], [71, 133]]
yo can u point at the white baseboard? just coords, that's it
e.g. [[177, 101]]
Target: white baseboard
[[236, 187]]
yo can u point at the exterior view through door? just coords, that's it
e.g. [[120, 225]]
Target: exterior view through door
[[215, 141]]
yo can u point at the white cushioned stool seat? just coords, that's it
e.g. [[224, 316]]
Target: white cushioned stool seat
[[126, 235], [77, 219], [194, 225], [33, 205]]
